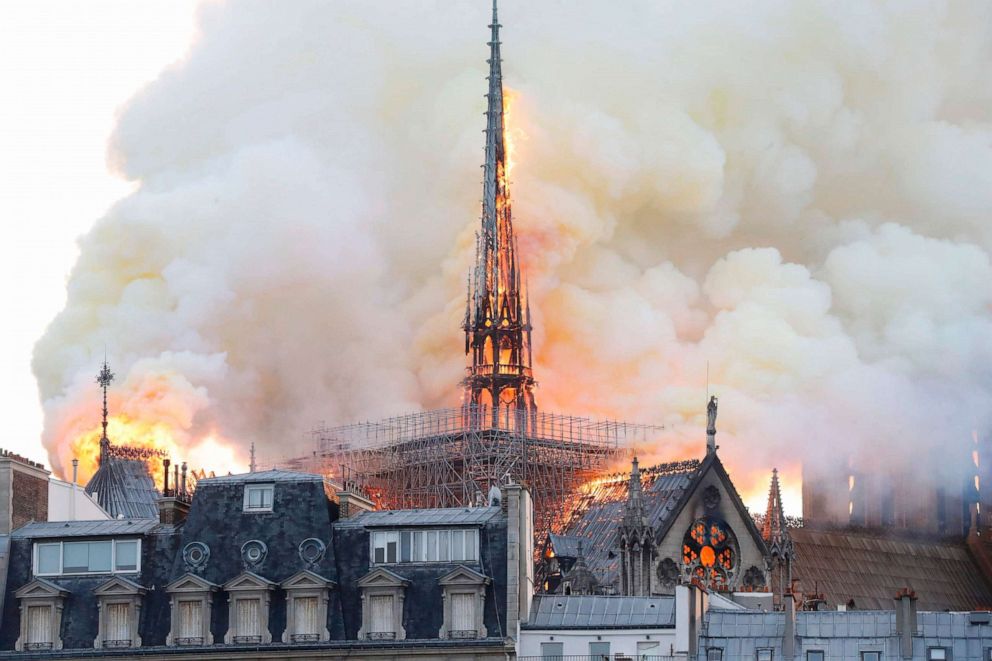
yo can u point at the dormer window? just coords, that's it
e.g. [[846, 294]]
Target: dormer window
[[422, 545], [108, 556], [41, 615], [118, 613], [258, 497]]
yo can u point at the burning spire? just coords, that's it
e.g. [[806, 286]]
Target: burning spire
[[104, 378], [497, 316]]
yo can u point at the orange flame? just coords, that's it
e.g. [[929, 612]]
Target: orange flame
[[514, 135], [125, 431]]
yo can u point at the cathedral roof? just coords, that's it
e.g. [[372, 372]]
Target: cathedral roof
[[600, 612], [869, 568], [124, 488], [602, 504]]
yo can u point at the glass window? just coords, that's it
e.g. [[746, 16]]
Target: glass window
[[457, 545], [418, 546], [431, 546], [714, 654], [392, 546], [81, 557], [552, 651], [49, 561], [405, 546], [444, 545], [937, 654], [470, 539], [126, 556], [871, 656], [599, 651], [378, 547], [815, 655], [258, 497], [763, 655]]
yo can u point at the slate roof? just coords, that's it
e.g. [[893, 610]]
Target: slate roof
[[841, 635], [274, 475], [600, 509], [565, 545], [447, 516], [870, 568], [98, 528], [600, 612], [123, 487]]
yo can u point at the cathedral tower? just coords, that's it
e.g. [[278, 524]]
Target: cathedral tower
[[497, 315]]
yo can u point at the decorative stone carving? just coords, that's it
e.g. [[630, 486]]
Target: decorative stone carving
[[754, 579], [668, 573], [195, 556], [312, 551], [253, 554], [711, 497]]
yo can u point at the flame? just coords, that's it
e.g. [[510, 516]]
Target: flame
[[513, 135], [125, 431]]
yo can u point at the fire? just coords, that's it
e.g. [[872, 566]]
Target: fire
[[125, 431], [514, 135]]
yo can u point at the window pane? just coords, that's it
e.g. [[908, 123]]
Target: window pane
[[127, 556], [552, 651], [75, 557], [418, 546], [444, 545], [871, 656], [100, 555], [405, 546], [470, 537], [457, 545], [48, 559], [714, 654], [391, 551], [254, 497], [814, 655], [938, 654], [267, 497], [597, 650], [432, 546], [764, 655]]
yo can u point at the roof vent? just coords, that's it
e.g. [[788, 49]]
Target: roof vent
[[979, 617]]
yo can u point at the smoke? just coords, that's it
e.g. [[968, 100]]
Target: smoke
[[793, 197]]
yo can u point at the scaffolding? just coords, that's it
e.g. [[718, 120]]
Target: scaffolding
[[453, 457]]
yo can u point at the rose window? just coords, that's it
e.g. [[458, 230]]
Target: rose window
[[709, 553]]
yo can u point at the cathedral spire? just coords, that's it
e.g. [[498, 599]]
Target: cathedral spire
[[104, 378], [774, 527], [497, 322], [635, 497]]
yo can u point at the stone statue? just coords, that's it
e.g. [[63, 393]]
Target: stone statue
[[711, 416]]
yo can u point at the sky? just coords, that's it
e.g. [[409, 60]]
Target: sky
[[783, 202], [65, 68]]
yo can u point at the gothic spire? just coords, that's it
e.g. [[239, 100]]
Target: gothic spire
[[497, 321], [774, 526], [104, 378], [635, 498]]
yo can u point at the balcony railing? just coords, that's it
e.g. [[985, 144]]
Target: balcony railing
[[305, 637], [463, 633], [248, 640], [38, 646], [192, 640], [382, 635], [117, 643]]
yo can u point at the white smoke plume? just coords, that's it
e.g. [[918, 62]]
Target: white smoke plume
[[794, 193]]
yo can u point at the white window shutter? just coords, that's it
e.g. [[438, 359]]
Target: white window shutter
[[462, 612], [118, 622], [305, 613], [249, 623], [190, 619]]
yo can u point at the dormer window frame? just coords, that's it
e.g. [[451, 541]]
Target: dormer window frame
[[463, 587], [424, 545], [118, 591], [247, 587], [382, 585], [192, 590], [44, 596], [266, 492]]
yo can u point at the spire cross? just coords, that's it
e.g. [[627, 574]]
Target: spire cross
[[104, 379]]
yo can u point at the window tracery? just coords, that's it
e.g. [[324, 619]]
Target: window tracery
[[709, 553]]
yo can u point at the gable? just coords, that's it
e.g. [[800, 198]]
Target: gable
[[306, 579], [381, 577], [39, 587], [712, 494], [462, 575], [119, 586], [190, 583], [248, 581]]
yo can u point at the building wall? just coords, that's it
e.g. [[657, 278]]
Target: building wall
[[62, 495], [23, 493], [750, 553], [576, 642]]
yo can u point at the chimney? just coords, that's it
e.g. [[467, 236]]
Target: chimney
[[172, 509], [789, 633], [906, 621], [351, 502], [519, 555], [23, 491], [165, 483]]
